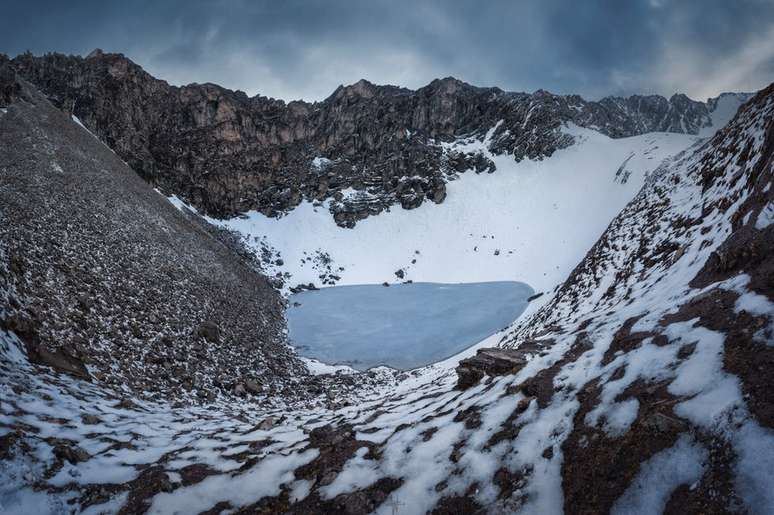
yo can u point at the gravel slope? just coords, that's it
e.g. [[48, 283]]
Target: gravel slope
[[116, 281]]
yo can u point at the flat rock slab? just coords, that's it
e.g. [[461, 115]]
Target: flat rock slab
[[492, 362]]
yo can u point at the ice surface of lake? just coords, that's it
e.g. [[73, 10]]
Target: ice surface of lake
[[403, 326]]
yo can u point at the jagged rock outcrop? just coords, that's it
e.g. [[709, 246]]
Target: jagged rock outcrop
[[494, 362], [225, 152]]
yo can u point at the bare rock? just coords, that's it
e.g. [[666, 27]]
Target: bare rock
[[209, 331], [70, 452], [216, 171], [57, 359], [492, 362], [252, 386]]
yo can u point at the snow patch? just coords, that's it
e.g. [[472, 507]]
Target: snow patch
[[321, 163], [660, 476], [765, 217], [318, 368], [725, 109], [358, 473], [262, 480]]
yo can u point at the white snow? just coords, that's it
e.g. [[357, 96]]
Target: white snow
[[765, 217], [542, 216], [300, 490], [754, 446], [79, 122], [17, 497], [726, 108], [660, 476], [179, 203], [754, 303], [317, 368], [262, 480], [320, 163], [357, 473]]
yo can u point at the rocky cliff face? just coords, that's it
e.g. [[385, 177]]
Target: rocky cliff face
[[227, 153]]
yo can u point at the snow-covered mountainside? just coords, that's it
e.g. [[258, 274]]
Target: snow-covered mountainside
[[660, 345], [641, 385], [530, 221]]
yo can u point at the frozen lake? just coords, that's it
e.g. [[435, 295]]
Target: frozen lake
[[403, 326]]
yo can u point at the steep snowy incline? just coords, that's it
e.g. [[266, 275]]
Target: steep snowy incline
[[530, 221], [662, 340]]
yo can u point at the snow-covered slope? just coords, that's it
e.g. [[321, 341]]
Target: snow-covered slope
[[723, 108], [661, 340], [530, 221]]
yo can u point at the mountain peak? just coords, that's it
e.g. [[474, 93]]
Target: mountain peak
[[361, 88], [97, 52]]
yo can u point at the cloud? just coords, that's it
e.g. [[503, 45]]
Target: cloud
[[701, 74], [305, 49], [704, 54]]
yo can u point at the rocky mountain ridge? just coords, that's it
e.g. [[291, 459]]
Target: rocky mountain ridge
[[361, 150]]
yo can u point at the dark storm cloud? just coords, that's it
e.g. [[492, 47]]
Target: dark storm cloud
[[295, 49]]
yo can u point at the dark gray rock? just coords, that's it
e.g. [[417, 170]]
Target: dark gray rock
[[209, 331], [226, 153], [252, 386], [491, 362]]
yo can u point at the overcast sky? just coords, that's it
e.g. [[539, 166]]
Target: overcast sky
[[304, 49]]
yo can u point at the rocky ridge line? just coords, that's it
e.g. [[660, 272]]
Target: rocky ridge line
[[361, 150]]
